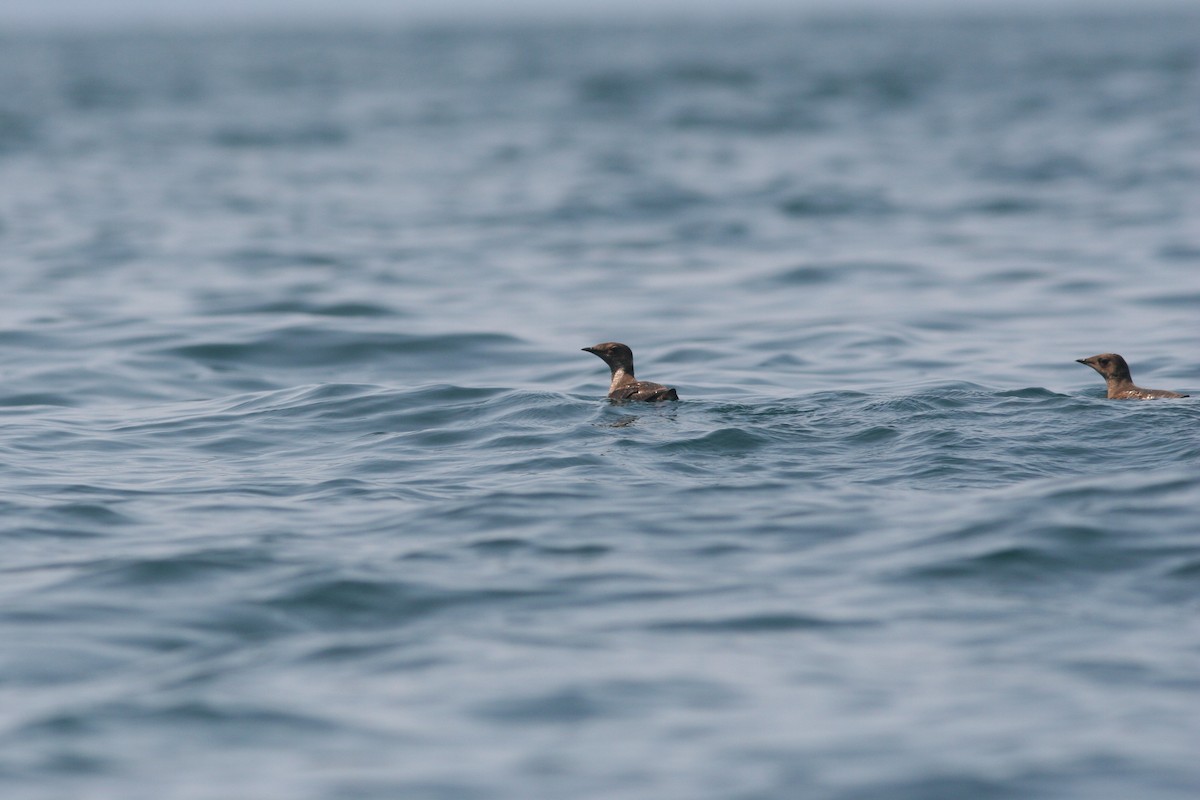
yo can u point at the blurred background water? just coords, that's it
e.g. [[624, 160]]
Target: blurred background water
[[307, 490]]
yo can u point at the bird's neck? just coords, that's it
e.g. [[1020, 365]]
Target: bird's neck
[[1119, 384], [621, 376]]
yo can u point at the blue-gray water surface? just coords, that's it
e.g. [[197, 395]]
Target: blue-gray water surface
[[307, 491]]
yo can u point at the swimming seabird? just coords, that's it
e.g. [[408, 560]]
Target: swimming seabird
[[1120, 384], [624, 385]]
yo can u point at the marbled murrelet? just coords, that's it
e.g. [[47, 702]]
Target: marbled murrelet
[[624, 385], [1120, 384]]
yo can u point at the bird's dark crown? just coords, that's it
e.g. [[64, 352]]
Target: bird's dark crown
[[1110, 365], [615, 354]]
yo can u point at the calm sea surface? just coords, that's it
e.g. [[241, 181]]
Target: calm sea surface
[[307, 491]]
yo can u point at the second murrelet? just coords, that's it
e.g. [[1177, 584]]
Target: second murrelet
[[1120, 384], [624, 386]]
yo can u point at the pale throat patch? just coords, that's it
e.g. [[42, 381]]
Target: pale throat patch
[[619, 378]]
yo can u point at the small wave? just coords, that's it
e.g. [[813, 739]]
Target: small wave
[[733, 118], [310, 135], [172, 571], [1044, 169], [284, 307], [35, 399], [707, 73], [17, 131], [725, 441], [1180, 251], [508, 544], [846, 271], [95, 93], [341, 602], [1001, 564], [615, 89], [317, 345], [836, 202], [753, 623], [259, 258], [620, 699], [1003, 206]]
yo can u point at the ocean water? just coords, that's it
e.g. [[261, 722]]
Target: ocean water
[[307, 491]]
